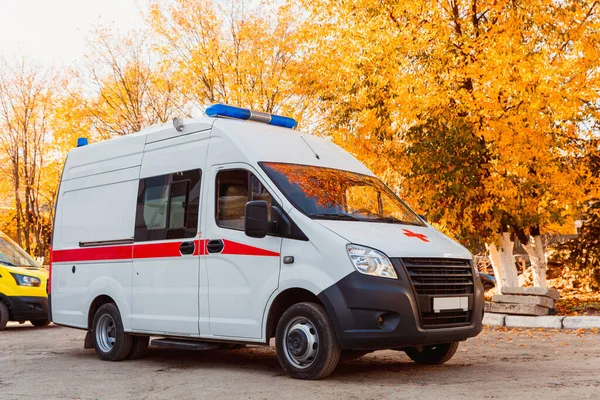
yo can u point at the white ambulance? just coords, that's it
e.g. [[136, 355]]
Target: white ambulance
[[235, 229]]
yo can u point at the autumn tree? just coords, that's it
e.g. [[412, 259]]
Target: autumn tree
[[476, 109], [581, 255], [231, 52], [26, 99], [119, 89]]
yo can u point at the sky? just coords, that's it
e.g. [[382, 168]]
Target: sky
[[53, 32]]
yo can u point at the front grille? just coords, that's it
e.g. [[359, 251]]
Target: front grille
[[439, 277], [445, 319], [435, 276]]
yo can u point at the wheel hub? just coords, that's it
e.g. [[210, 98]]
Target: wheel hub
[[302, 342], [297, 343], [106, 333]]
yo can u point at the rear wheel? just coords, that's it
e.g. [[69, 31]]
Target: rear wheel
[[306, 344], [139, 345], [40, 322], [3, 315], [111, 341], [432, 355]]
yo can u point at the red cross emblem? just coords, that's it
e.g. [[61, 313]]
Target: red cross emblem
[[415, 235]]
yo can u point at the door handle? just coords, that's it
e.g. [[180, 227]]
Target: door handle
[[187, 248], [214, 246]]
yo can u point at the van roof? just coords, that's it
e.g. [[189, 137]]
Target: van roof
[[256, 141]]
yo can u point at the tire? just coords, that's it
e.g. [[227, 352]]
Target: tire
[[111, 342], [40, 322], [139, 345], [3, 315], [432, 355], [307, 347], [349, 355]]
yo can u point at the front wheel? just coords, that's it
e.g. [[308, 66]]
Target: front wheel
[[3, 315], [307, 347], [111, 341], [432, 355], [40, 322]]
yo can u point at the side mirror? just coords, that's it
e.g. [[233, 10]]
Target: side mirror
[[256, 222]]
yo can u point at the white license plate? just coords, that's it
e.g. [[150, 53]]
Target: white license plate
[[450, 303]]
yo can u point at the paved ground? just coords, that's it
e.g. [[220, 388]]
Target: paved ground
[[503, 364]]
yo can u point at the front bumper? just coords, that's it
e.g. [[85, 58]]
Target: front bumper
[[356, 302], [27, 308]]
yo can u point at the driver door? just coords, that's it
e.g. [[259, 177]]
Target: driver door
[[242, 272]]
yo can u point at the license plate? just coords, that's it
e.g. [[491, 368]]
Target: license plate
[[450, 303]]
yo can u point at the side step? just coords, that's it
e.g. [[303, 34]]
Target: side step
[[184, 344]]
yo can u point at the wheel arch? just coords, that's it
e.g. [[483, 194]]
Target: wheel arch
[[284, 300], [106, 287], [4, 299], [98, 302]]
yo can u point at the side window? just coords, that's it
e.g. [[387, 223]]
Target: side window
[[168, 206], [155, 203], [234, 188], [259, 192], [232, 196]]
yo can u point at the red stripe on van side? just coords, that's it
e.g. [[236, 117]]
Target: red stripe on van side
[[93, 254], [156, 250], [153, 250], [235, 248], [200, 247]]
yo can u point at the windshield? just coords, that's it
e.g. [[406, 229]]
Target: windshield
[[12, 255], [327, 193]]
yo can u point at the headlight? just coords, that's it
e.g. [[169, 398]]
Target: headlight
[[26, 280], [371, 262]]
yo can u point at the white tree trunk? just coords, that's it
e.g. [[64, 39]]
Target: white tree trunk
[[537, 256], [495, 261], [503, 262]]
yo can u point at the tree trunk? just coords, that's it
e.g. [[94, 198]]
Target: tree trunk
[[537, 256], [17, 202], [503, 262], [495, 261]]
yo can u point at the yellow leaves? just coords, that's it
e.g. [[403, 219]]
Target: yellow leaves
[[509, 76], [237, 54]]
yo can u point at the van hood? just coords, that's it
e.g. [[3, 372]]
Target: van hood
[[398, 240]]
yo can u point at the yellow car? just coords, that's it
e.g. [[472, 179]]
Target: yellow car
[[22, 286]]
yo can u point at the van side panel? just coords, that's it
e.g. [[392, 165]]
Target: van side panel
[[108, 208], [96, 203]]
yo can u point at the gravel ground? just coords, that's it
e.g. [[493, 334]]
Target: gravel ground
[[503, 364]]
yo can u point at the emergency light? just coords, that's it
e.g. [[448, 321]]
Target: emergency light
[[82, 142], [222, 110]]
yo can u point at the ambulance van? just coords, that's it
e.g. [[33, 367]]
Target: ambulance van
[[236, 229]]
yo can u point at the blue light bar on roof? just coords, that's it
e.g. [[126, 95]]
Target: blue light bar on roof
[[222, 110]]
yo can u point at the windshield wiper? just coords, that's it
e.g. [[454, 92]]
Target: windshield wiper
[[342, 217], [393, 220], [8, 263]]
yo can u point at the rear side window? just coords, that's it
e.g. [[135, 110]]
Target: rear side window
[[168, 206], [235, 188]]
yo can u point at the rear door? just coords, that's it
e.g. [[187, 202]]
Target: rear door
[[166, 253], [242, 272]]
